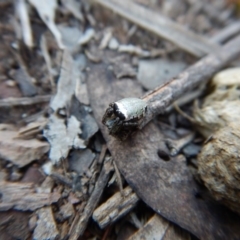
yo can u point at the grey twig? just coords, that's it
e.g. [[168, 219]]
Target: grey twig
[[25, 101], [161, 97]]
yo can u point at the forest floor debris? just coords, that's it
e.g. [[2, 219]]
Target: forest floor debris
[[61, 63]]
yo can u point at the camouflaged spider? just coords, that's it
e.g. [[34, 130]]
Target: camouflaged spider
[[124, 115]]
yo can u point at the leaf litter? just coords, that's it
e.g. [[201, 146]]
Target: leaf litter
[[74, 176]]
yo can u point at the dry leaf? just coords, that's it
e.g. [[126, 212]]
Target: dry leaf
[[156, 72], [46, 10], [21, 152]]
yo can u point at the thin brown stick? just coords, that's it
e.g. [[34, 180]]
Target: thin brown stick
[[25, 101], [161, 97], [81, 223]]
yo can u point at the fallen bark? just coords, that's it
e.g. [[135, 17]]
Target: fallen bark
[[115, 207]]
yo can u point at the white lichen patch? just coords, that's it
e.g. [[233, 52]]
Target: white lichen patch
[[62, 137]]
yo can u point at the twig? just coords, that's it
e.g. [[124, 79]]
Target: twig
[[81, 224], [25, 101], [185, 115], [47, 58], [22, 10], [160, 98], [161, 26], [115, 207], [119, 179], [159, 228], [102, 154], [61, 179], [219, 37], [227, 32]]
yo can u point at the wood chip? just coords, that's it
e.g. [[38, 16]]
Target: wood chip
[[159, 228], [22, 196], [115, 207], [21, 152], [46, 227]]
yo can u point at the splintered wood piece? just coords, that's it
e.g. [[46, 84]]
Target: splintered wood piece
[[161, 26], [115, 207], [19, 151], [166, 186], [159, 228], [22, 196], [46, 226], [80, 225], [14, 225]]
